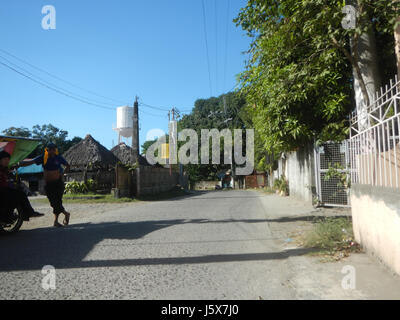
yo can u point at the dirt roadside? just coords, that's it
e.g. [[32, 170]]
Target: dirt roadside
[[288, 219], [77, 210]]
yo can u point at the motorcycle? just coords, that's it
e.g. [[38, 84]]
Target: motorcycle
[[13, 223], [11, 219]]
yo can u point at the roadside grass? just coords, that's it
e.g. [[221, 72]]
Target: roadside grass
[[95, 198], [332, 238], [89, 198]]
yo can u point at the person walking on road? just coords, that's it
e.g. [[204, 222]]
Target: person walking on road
[[53, 164]]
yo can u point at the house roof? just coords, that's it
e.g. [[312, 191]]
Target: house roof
[[89, 152], [32, 169], [125, 155]]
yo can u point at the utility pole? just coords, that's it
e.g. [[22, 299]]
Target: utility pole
[[173, 137], [216, 114], [135, 129], [233, 156]]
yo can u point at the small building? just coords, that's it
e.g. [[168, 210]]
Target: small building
[[91, 160], [256, 180], [32, 177], [127, 156]]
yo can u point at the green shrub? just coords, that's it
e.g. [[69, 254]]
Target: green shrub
[[330, 234], [91, 185], [75, 187], [281, 185]]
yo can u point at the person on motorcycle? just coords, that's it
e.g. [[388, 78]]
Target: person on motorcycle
[[11, 197], [52, 164]]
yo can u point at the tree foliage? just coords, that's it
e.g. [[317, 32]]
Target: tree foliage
[[147, 144], [46, 133], [298, 80], [225, 111]]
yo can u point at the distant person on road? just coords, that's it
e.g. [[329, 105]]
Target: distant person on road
[[10, 196], [52, 164]]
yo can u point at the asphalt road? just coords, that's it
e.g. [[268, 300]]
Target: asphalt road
[[216, 245]]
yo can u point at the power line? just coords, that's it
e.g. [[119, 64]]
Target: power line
[[226, 40], [162, 108], [53, 85], [58, 78], [63, 91], [150, 114], [206, 43], [54, 89], [153, 107], [216, 47]]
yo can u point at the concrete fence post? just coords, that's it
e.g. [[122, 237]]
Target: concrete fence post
[[138, 181]]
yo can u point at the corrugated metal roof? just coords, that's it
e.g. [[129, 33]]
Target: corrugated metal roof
[[32, 169]]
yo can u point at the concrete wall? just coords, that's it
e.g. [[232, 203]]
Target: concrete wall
[[301, 173], [298, 168], [150, 180], [376, 222], [125, 182]]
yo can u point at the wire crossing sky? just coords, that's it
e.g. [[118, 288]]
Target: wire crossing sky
[[102, 54]]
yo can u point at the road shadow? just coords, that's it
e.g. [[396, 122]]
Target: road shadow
[[67, 248]]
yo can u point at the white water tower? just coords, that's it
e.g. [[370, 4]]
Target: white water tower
[[124, 122]]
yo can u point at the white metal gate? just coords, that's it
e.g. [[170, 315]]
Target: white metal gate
[[332, 173], [375, 140]]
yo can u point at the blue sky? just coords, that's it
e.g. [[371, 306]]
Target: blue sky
[[117, 49]]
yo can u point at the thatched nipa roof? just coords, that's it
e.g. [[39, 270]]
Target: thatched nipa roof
[[125, 155], [90, 153]]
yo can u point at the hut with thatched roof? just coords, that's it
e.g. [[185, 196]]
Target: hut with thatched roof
[[127, 156], [89, 153], [90, 160]]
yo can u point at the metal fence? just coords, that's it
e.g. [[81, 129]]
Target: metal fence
[[332, 164], [374, 140]]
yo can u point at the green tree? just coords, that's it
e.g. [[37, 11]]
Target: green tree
[[225, 111], [45, 133], [18, 132], [147, 144], [298, 80]]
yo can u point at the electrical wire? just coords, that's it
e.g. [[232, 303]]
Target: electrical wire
[[53, 85], [153, 107], [150, 114], [226, 40], [163, 108], [58, 78], [54, 89], [206, 43], [216, 46]]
